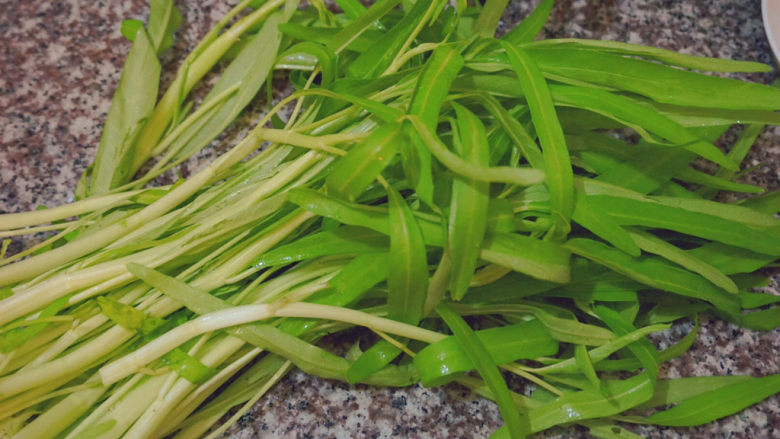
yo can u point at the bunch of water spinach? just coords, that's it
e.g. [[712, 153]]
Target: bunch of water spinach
[[422, 180]]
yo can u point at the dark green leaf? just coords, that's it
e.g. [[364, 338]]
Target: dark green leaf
[[480, 357], [469, 206], [540, 259], [557, 166], [530, 27], [654, 272], [343, 240], [437, 362], [407, 280], [724, 401], [364, 162]]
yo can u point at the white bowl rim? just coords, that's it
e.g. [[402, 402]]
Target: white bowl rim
[[772, 35]]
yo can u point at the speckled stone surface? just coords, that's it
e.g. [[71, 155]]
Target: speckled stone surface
[[59, 64]]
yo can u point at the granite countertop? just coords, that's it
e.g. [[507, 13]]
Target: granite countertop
[[59, 64]]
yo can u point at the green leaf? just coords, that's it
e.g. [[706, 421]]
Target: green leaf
[[602, 226], [656, 81], [324, 35], [97, 430], [652, 244], [358, 276], [763, 320], [642, 349], [767, 203], [356, 279], [343, 240], [649, 213], [671, 57], [561, 324], [130, 28], [729, 259], [530, 27], [648, 168], [690, 175], [487, 20], [374, 359], [515, 129], [478, 354], [738, 152], [672, 391], [588, 404], [469, 206], [557, 166], [128, 317], [308, 357], [514, 175], [605, 349], [248, 71], [407, 280], [433, 86], [582, 359], [374, 218], [187, 366], [351, 32], [373, 63], [638, 117], [540, 259], [364, 162], [724, 401], [132, 104], [164, 20], [755, 300], [438, 362], [326, 59], [352, 8], [654, 272], [732, 212], [603, 429]]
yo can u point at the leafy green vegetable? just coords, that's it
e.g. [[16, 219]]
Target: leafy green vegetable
[[407, 279], [131, 106], [438, 361], [469, 205], [542, 192], [476, 352]]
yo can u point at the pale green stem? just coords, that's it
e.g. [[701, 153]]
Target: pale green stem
[[299, 102], [601, 352], [127, 409], [198, 67], [403, 58], [396, 64], [240, 315], [521, 372], [73, 225], [19, 305], [11, 221], [57, 418], [494, 174], [98, 412], [196, 398], [65, 365], [11, 403], [249, 404], [75, 334], [39, 229], [160, 409], [198, 429], [191, 119]]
